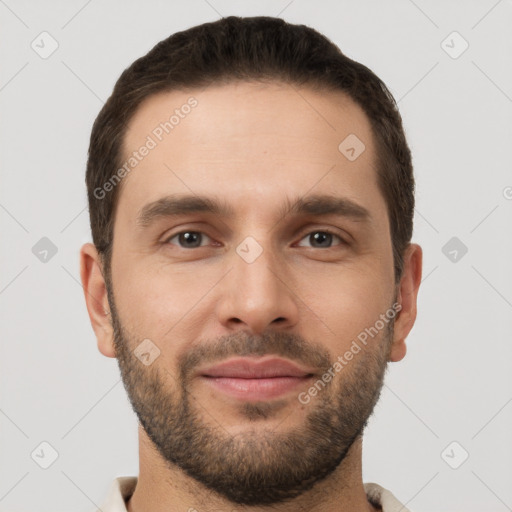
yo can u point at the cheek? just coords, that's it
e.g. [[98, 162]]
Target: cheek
[[159, 302], [347, 301]]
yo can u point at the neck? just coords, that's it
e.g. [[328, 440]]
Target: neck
[[164, 487]]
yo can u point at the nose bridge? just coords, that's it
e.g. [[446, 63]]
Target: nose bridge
[[257, 294], [256, 265]]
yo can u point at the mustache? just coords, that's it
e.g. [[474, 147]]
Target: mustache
[[277, 343]]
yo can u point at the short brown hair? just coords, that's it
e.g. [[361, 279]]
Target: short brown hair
[[262, 49]]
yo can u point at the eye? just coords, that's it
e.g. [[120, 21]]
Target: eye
[[322, 239], [188, 239]]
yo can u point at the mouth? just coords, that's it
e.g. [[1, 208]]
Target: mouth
[[251, 379]]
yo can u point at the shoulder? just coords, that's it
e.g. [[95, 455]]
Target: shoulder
[[381, 497], [120, 490]]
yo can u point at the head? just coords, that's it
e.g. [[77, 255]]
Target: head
[[219, 158]]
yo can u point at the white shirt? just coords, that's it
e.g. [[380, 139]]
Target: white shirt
[[122, 488]]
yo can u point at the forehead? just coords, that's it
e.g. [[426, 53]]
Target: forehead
[[266, 139]]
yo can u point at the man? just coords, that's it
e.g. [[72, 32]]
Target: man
[[251, 200]]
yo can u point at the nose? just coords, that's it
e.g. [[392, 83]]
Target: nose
[[257, 295]]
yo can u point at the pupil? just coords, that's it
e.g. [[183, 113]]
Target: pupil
[[321, 236], [190, 236]]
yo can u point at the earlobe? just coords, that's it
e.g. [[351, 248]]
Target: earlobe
[[96, 298], [407, 295]]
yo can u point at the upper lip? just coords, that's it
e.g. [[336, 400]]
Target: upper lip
[[247, 368]]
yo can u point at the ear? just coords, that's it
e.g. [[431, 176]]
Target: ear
[[407, 294], [96, 299]]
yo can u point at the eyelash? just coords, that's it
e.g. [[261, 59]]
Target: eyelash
[[328, 231]]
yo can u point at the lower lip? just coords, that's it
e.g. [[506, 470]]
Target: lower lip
[[255, 389]]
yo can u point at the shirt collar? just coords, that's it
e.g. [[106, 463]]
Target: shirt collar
[[122, 488]]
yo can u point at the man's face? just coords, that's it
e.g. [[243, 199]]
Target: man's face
[[265, 280]]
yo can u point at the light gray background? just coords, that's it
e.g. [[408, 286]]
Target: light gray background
[[455, 383]]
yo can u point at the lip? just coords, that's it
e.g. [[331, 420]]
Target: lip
[[252, 368], [250, 379]]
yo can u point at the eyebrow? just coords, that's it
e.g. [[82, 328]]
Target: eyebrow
[[314, 205]]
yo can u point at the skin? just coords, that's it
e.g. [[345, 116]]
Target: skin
[[251, 145]]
